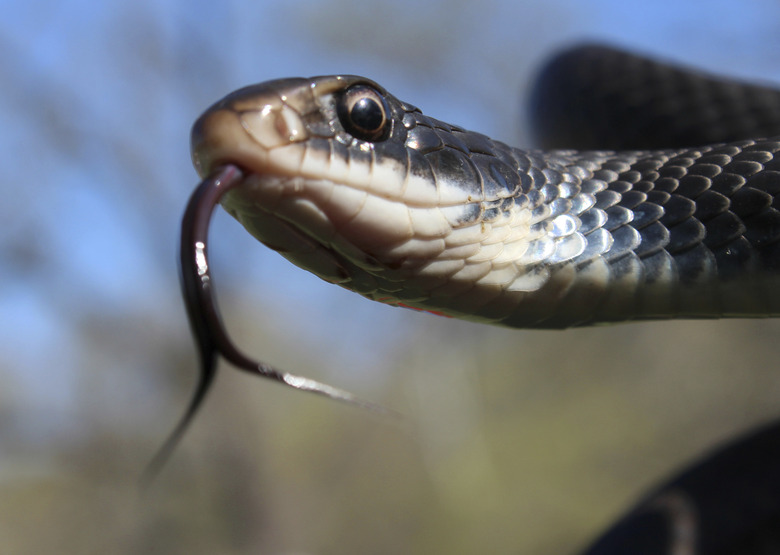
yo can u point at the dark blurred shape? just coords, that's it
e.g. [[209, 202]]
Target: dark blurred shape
[[726, 504], [599, 98]]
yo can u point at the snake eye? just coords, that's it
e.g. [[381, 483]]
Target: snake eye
[[364, 113]]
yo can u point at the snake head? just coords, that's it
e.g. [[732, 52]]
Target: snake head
[[365, 191]]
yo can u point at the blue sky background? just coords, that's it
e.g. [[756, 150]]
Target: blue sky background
[[98, 100], [96, 104]]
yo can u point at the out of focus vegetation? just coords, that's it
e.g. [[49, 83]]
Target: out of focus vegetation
[[512, 442]]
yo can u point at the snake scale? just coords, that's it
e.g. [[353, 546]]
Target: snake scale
[[421, 213], [629, 220]]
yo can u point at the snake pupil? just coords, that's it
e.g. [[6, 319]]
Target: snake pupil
[[363, 113], [367, 114]]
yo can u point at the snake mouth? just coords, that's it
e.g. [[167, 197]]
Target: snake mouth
[[246, 139], [274, 198]]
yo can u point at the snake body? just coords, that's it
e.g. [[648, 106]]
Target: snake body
[[413, 211], [367, 192], [598, 97]]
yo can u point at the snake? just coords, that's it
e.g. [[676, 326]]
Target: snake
[[654, 194], [367, 192]]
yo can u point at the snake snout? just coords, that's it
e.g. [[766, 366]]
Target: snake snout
[[244, 127]]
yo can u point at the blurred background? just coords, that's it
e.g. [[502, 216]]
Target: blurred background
[[513, 441]]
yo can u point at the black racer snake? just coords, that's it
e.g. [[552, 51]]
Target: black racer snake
[[367, 192]]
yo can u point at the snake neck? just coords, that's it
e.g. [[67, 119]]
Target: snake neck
[[425, 214]]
